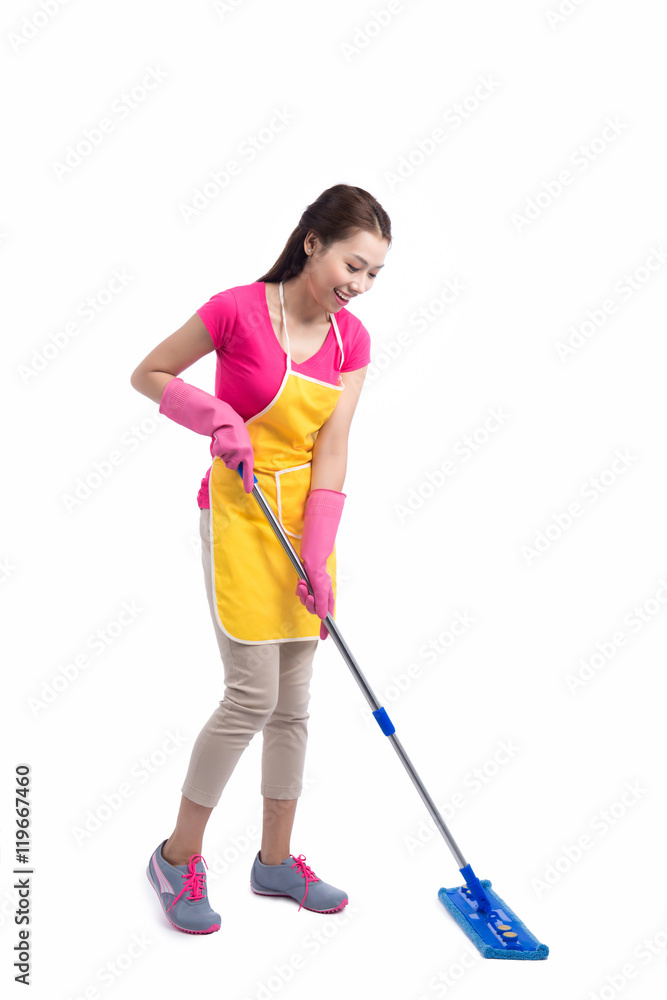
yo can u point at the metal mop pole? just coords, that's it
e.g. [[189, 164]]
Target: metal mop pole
[[380, 714]]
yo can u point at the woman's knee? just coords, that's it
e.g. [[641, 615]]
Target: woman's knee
[[252, 711]]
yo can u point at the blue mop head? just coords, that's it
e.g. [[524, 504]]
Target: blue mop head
[[496, 931]]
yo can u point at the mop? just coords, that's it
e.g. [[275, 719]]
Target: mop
[[491, 925]]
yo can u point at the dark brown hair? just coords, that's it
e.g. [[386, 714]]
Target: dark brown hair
[[336, 215]]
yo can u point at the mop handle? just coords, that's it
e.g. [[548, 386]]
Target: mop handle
[[380, 713]]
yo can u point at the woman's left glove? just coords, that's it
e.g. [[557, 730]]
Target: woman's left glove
[[320, 524]]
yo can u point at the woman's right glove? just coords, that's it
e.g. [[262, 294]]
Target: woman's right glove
[[191, 407]]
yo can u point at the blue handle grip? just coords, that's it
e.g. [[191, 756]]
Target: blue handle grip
[[384, 722], [240, 472]]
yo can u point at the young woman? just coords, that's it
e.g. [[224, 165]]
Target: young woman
[[291, 361]]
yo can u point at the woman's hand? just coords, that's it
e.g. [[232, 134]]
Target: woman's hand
[[320, 524], [231, 442], [324, 601]]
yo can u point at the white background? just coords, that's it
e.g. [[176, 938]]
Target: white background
[[365, 92]]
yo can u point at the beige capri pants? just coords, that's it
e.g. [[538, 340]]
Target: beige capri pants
[[267, 688]]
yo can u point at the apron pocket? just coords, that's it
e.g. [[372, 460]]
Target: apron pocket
[[292, 486]]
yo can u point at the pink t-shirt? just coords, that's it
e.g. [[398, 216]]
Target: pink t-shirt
[[251, 363]]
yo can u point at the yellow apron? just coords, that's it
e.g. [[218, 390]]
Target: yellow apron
[[253, 579]]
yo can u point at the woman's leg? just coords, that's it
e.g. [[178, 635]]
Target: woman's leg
[[251, 693], [284, 749], [282, 771], [188, 834], [277, 830]]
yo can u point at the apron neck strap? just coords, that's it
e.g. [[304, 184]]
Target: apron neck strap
[[332, 319], [282, 306]]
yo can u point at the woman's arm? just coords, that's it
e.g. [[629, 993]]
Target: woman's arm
[[330, 449], [157, 377], [182, 349]]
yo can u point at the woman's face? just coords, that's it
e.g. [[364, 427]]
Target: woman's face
[[349, 266]]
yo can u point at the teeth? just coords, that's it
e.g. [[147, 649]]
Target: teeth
[[340, 295]]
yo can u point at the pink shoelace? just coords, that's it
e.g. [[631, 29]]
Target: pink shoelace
[[193, 881], [306, 872]]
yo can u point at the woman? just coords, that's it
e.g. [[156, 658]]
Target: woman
[[291, 361]]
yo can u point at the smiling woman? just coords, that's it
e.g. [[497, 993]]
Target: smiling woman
[[291, 362]]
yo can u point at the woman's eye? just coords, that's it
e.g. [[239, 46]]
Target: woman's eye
[[355, 269]]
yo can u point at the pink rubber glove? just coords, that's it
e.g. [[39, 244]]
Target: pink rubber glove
[[191, 407], [320, 524]]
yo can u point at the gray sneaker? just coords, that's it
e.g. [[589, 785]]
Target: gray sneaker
[[288, 879], [181, 890]]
